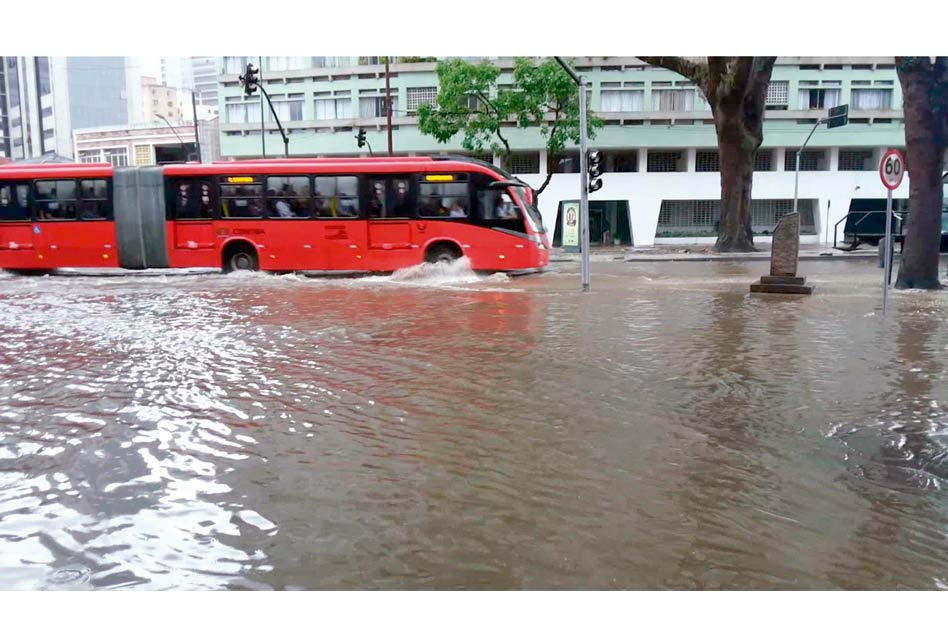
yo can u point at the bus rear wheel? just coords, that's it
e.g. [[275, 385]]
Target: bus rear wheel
[[240, 257], [442, 253]]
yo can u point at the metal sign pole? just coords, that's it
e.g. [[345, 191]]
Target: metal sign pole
[[887, 269], [584, 186]]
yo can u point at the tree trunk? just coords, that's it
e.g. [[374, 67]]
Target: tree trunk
[[925, 147], [737, 178]]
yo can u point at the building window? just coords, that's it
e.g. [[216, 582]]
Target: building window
[[819, 98], [243, 112], [374, 107], [90, 157], [665, 161], [118, 156], [285, 63], [777, 95], [764, 160], [811, 160], [371, 60], [621, 161], [143, 155], [683, 218], [568, 162], [46, 112], [855, 160], [418, 96], [42, 75], [323, 62], [622, 101], [333, 108], [871, 99], [673, 99], [238, 64], [525, 162], [707, 161]]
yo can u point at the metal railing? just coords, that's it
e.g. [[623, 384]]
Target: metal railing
[[899, 217]]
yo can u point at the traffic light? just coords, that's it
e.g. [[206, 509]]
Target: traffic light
[[360, 139], [594, 170], [249, 80]]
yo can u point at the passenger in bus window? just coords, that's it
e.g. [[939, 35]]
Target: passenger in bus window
[[402, 209], [457, 210]]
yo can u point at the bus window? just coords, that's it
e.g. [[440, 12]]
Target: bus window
[[375, 207], [401, 198], [94, 203], [14, 202], [241, 200], [337, 197], [496, 206], [443, 200], [191, 200], [55, 199], [288, 197]]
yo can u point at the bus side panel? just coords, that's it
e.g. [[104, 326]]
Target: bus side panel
[[345, 242], [290, 245], [191, 244], [18, 247], [80, 243], [487, 249]]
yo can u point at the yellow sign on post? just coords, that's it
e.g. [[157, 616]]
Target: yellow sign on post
[[570, 225]]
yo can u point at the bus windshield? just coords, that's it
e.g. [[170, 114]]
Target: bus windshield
[[532, 210]]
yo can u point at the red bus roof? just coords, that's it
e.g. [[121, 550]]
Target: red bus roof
[[65, 170], [336, 165]]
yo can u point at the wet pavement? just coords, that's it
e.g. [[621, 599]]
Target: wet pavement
[[438, 429]]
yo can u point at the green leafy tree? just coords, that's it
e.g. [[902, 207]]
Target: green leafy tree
[[472, 103]]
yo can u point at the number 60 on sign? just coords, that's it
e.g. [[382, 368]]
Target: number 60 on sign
[[892, 169]]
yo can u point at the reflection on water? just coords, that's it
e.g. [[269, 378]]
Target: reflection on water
[[442, 429]]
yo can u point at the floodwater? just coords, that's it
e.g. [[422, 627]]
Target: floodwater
[[442, 430]]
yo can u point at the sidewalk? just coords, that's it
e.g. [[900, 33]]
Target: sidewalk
[[697, 253]]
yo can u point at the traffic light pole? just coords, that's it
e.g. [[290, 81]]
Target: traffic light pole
[[583, 169]]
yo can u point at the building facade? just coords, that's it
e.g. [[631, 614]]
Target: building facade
[[162, 101], [139, 144], [661, 182], [197, 73], [44, 98]]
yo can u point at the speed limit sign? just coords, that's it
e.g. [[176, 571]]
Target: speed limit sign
[[891, 169]]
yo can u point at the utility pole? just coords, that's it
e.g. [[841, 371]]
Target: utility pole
[[388, 106], [583, 174], [194, 114]]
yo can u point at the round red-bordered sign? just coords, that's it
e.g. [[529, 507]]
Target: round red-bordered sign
[[892, 169]]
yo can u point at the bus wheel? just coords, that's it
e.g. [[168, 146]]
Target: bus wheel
[[240, 257], [442, 253]]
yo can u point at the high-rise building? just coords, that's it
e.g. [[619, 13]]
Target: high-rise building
[[45, 98], [661, 182], [199, 74]]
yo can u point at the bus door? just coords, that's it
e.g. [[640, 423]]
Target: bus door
[[192, 238], [340, 237], [18, 240], [389, 213]]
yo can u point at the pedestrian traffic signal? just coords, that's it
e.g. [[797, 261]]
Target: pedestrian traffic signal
[[249, 80], [360, 139], [594, 170]]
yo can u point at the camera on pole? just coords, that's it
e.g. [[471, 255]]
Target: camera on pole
[[250, 80], [594, 170]]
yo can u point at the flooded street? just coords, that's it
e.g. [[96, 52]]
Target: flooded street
[[441, 430]]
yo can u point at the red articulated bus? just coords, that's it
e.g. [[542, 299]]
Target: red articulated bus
[[326, 214]]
